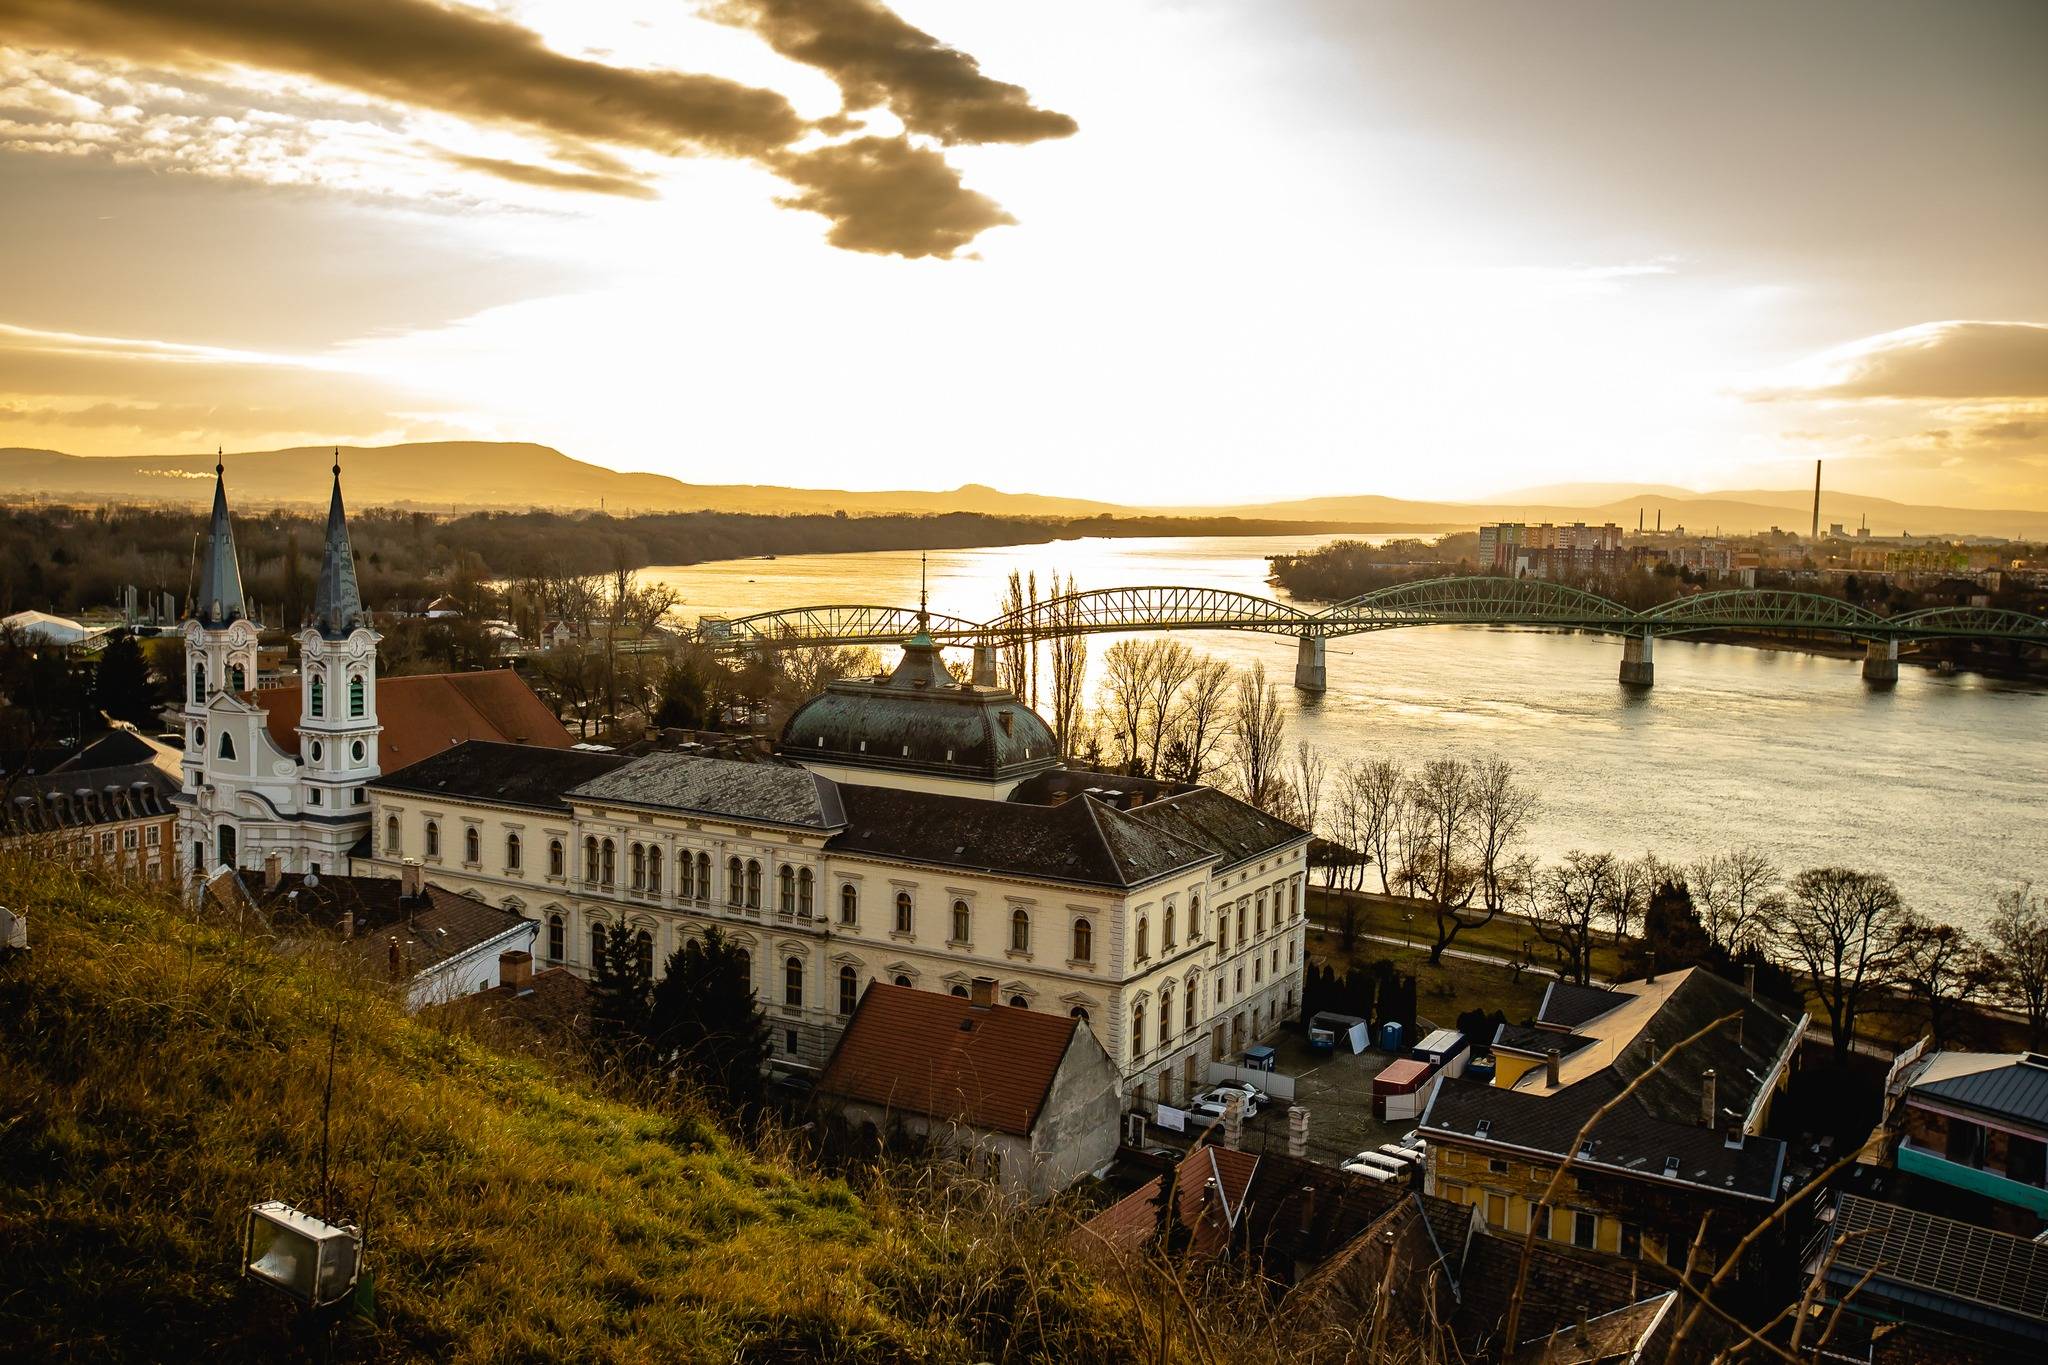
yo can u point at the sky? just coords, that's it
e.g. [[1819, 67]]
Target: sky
[[1154, 251]]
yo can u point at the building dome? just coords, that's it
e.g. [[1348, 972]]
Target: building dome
[[919, 721]]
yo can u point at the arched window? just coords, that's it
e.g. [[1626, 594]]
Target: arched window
[[472, 846], [753, 884], [793, 982], [643, 953], [903, 981], [849, 989], [1240, 921], [1138, 1029], [1078, 1012], [596, 944], [237, 679], [735, 882], [686, 875], [433, 839], [512, 853], [962, 923], [1084, 941], [958, 992], [227, 745], [199, 682], [554, 857], [653, 869], [608, 853], [788, 879], [1194, 917], [638, 856], [1187, 1023], [1018, 1002], [355, 695], [902, 912], [555, 944], [1020, 930], [804, 884], [1223, 928], [589, 857], [316, 697], [391, 836], [1259, 923], [1165, 1014], [744, 960], [1143, 941], [1166, 930], [704, 876], [849, 903]]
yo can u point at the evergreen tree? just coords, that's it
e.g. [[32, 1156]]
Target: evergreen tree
[[123, 686], [619, 991], [706, 1024]]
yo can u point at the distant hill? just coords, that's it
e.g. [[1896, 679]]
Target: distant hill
[[446, 475]]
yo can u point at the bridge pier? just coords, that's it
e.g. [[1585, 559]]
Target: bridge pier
[[984, 664], [1881, 662], [1638, 667], [1310, 670]]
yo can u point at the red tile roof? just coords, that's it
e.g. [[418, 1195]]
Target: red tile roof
[[918, 1052], [430, 712], [1133, 1221]]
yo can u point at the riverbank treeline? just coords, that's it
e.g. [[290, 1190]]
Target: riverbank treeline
[[71, 559]]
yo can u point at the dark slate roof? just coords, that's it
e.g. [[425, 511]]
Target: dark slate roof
[[2017, 1091], [1235, 831], [1567, 1005], [337, 603], [122, 746], [1631, 1138], [1741, 1058], [1082, 842], [220, 572], [768, 793], [502, 774], [75, 798], [431, 929], [917, 719], [1522, 1038], [1964, 1271]]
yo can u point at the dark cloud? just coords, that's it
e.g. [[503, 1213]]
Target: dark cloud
[[878, 60], [553, 178], [1941, 361], [881, 195], [885, 195], [2016, 430]]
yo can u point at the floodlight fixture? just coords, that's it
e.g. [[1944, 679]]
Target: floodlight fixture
[[307, 1258]]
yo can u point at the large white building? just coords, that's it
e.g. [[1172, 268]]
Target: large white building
[[915, 830]]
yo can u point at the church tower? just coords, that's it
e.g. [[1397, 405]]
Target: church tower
[[220, 659], [338, 688]]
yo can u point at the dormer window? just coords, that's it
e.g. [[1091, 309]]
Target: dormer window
[[1483, 1127], [1671, 1166]]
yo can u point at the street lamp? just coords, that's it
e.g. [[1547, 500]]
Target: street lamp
[[312, 1261]]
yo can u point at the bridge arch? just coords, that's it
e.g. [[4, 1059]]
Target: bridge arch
[[1932, 622], [1761, 609], [1477, 601], [833, 625], [1103, 610]]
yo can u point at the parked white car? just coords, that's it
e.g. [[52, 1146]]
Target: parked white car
[[1212, 1102], [1252, 1094]]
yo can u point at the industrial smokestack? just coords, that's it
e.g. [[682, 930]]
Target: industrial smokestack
[[1816, 501]]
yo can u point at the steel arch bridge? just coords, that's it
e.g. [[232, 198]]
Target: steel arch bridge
[[1467, 600]]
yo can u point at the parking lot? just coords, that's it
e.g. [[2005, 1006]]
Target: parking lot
[[1336, 1088]]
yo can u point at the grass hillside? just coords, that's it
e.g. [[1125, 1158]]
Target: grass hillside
[[160, 1074]]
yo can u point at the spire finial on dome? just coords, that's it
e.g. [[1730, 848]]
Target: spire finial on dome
[[337, 462], [219, 460], [924, 615]]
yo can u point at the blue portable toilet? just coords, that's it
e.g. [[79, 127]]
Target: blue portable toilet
[[1390, 1036]]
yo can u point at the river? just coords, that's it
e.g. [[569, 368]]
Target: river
[[1936, 781]]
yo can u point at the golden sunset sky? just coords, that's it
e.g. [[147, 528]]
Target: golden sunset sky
[[1151, 251]]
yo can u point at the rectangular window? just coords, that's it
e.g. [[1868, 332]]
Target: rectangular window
[[1965, 1143], [1496, 1208], [1496, 1165], [1585, 1228], [153, 836], [2026, 1160], [130, 839]]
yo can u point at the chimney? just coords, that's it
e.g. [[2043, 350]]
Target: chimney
[[515, 969], [982, 992], [1707, 1110], [1550, 1068], [1297, 1131], [1652, 977], [1731, 1134], [393, 957], [1233, 1120], [348, 925], [412, 879], [273, 871], [1749, 979], [1308, 1209]]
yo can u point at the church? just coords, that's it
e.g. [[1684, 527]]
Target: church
[[909, 828]]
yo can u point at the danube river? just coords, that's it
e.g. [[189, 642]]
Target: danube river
[[1937, 781]]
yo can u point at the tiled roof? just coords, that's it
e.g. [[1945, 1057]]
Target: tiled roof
[[502, 774], [767, 792], [431, 929], [1960, 1269], [1235, 831], [1566, 1005], [75, 798], [2012, 1086], [429, 712], [122, 746], [1080, 841], [1522, 1038], [1740, 1055], [919, 1052], [1634, 1332]]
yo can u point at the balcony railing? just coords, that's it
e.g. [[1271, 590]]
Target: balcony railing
[[2003, 1188]]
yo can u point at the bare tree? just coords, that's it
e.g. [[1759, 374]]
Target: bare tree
[[1730, 889], [572, 678], [1847, 931], [1126, 697], [2019, 938], [1440, 862], [1382, 787], [1938, 965], [1635, 881], [1069, 665], [1570, 895], [1258, 732], [1202, 722], [1501, 809], [1017, 656], [1310, 774], [1169, 669]]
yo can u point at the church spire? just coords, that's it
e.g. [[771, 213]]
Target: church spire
[[220, 573], [337, 603]]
